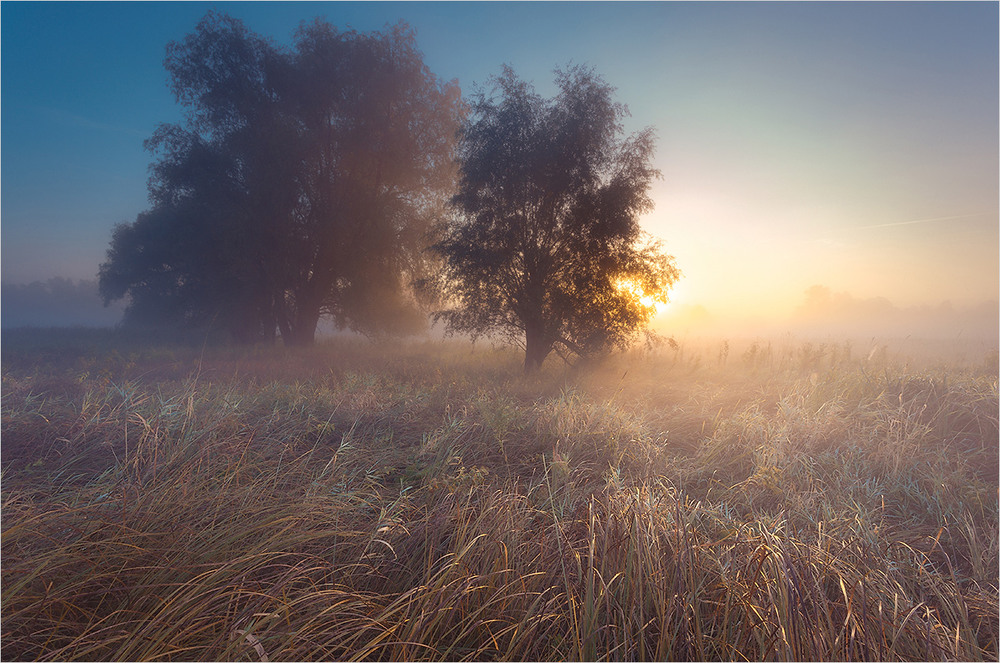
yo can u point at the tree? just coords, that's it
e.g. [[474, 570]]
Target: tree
[[303, 183], [545, 248]]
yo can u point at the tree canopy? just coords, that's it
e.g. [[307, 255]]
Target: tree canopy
[[544, 247], [303, 183]]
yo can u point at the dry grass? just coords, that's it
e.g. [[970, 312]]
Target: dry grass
[[428, 503]]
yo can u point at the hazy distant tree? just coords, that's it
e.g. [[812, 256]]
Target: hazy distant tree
[[545, 248], [304, 182]]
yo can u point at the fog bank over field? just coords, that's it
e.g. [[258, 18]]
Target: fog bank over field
[[63, 302], [823, 312], [57, 302]]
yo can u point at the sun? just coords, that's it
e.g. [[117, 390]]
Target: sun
[[674, 294], [659, 307], [636, 289]]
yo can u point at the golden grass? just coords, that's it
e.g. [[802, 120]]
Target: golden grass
[[428, 502]]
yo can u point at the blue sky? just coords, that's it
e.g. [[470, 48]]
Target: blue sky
[[852, 145]]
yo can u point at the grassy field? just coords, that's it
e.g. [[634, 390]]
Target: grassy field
[[763, 500]]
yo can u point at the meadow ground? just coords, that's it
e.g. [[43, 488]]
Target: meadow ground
[[737, 501]]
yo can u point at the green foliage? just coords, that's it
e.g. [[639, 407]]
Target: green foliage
[[427, 502], [546, 249]]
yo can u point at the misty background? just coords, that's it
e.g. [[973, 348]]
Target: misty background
[[56, 302], [62, 302]]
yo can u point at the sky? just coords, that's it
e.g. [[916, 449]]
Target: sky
[[850, 145]]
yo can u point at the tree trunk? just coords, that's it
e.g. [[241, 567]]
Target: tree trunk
[[302, 330], [281, 316], [536, 347]]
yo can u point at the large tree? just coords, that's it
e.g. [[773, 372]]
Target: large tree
[[303, 183], [545, 247]]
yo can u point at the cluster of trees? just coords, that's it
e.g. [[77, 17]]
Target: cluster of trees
[[302, 184], [339, 177]]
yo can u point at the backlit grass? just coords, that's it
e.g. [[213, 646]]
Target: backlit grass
[[775, 500]]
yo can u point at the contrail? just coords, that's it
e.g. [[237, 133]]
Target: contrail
[[915, 221]]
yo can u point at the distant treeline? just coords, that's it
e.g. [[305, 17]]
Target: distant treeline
[[57, 302], [842, 313], [823, 312]]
